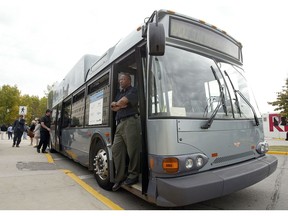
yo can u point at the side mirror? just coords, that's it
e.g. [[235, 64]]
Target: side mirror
[[156, 39]]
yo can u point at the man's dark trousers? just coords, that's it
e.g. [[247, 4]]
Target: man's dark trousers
[[44, 140]]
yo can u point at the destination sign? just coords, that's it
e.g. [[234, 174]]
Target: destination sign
[[204, 36]]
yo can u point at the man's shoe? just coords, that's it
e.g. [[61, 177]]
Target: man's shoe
[[116, 186], [44, 152], [130, 181], [38, 150], [13, 145], [17, 146]]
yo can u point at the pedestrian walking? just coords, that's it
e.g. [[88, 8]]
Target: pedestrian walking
[[18, 128], [3, 131], [10, 132]]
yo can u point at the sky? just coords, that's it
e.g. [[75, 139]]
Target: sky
[[41, 40]]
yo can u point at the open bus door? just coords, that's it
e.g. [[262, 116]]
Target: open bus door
[[57, 129], [132, 64]]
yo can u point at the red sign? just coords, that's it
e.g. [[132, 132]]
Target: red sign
[[278, 122]]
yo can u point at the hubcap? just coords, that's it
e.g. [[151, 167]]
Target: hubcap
[[101, 164]]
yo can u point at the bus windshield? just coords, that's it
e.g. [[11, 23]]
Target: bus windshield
[[237, 82], [185, 84]]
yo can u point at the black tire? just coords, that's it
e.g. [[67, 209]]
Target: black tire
[[101, 166]]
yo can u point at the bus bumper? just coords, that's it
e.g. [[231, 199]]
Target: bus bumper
[[215, 183]]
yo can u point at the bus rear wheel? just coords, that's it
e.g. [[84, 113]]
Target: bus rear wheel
[[101, 166]]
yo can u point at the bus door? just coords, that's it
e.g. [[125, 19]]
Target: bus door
[[53, 134], [55, 127], [125, 65], [63, 122], [133, 64], [141, 64], [58, 128]]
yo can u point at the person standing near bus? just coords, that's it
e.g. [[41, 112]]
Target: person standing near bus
[[45, 131], [31, 131], [18, 128], [37, 132], [10, 132], [3, 131], [127, 136]]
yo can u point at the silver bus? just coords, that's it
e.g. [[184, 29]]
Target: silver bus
[[202, 134]]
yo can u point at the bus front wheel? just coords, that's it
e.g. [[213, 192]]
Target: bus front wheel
[[101, 166]]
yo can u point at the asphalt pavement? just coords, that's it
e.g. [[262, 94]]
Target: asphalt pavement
[[28, 181]]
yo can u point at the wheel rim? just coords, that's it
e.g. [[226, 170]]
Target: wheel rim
[[101, 164]]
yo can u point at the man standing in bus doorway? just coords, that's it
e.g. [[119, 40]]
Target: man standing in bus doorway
[[44, 131], [18, 128], [127, 137]]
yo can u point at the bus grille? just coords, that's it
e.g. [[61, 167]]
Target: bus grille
[[246, 155]]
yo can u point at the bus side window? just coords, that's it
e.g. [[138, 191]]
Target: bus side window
[[97, 102], [66, 114], [77, 113]]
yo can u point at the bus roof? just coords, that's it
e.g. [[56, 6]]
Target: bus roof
[[74, 79], [135, 37], [89, 65], [114, 52]]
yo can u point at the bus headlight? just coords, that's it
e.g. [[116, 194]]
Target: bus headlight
[[262, 147], [177, 164], [189, 163], [199, 162], [195, 162]]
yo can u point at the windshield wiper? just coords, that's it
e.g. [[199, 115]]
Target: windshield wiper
[[220, 89], [235, 93], [210, 120], [221, 101], [250, 105]]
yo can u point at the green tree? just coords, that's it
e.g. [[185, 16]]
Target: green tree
[[281, 103], [9, 103], [42, 106]]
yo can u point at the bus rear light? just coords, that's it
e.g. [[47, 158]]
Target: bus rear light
[[170, 165]]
